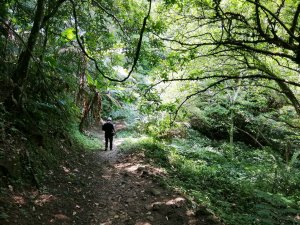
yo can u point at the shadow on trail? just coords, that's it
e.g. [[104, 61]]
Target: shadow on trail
[[104, 188]]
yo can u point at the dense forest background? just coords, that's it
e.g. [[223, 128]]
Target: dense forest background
[[208, 89]]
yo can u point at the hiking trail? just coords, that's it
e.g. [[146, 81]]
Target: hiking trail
[[105, 188]]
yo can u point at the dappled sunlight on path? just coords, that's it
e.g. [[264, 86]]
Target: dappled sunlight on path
[[111, 156], [106, 188], [131, 193]]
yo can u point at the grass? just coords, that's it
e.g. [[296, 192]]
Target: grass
[[141, 143], [89, 143], [253, 187]]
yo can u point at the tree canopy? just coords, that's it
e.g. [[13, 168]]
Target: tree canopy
[[208, 81]]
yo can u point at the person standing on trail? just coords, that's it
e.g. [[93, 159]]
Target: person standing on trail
[[109, 130]]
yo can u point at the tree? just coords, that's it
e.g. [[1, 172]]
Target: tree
[[20, 74], [260, 39]]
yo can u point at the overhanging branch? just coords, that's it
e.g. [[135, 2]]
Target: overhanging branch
[[227, 77], [138, 48]]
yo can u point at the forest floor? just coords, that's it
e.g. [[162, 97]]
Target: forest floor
[[102, 188]]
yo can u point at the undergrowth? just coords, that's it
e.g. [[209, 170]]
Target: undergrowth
[[253, 187], [26, 157], [83, 141]]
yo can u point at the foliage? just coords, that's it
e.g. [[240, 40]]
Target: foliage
[[259, 119], [138, 144], [252, 188], [84, 141], [58, 63], [64, 65]]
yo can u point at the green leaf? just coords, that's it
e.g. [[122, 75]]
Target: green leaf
[[90, 80], [69, 34]]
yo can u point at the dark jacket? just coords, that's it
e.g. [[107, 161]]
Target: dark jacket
[[108, 128]]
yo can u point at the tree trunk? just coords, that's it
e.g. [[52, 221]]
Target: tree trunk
[[290, 95], [21, 71], [232, 99], [88, 105], [283, 86], [231, 130], [82, 66], [97, 108]]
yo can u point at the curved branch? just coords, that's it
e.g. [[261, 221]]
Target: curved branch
[[257, 17], [274, 16], [251, 136], [242, 44], [15, 33], [138, 49], [281, 83], [194, 94], [227, 77], [248, 85], [294, 23]]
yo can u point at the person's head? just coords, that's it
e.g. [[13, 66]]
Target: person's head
[[109, 119]]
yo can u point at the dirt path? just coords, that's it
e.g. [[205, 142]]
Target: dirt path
[[103, 188]]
